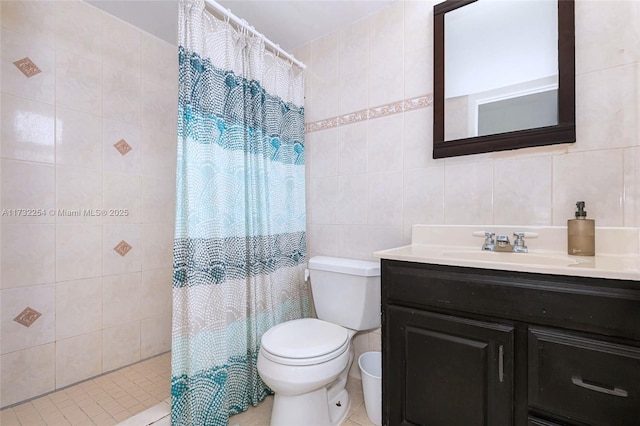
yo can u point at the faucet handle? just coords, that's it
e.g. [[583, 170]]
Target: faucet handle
[[489, 242], [521, 234], [484, 234], [518, 243]]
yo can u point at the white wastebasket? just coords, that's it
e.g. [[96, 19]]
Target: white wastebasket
[[371, 369]]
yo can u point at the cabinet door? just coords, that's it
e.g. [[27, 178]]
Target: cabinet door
[[445, 370]]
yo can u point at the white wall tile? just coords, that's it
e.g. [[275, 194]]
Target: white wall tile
[[16, 336], [158, 199], [159, 107], [385, 237], [30, 18], [78, 251], [606, 34], [157, 296], [468, 193], [352, 201], [155, 336], [121, 299], [78, 139], [78, 307], [28, 254], [384, 150], [352, 149], [595, 177], [27, 373], [386, 59], [353, 241], [78, 190], [418, 139], [122, 192], [27, 185], [418, 25], [78, 82], [323, 198], [322, 240], [607, 108], [159, 153], [121, 45], [353, 72], [159, 61], [516, 204], [324, 79], [632, 186], [120, 345], [27, 130], [79, 29], [157, 245], [324, 153], [78, 358], [40, 87], [385, 198], [122, 98], [423, 196]]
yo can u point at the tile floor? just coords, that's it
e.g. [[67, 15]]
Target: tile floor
[[257, 416], [138, 395], [260, 415], [104, 400]]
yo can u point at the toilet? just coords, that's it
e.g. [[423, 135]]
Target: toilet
[[306, 361]]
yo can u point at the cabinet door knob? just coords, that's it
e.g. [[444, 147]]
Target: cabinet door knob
[[615, 391]]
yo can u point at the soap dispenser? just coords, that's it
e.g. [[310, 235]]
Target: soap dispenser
[[581, 233]]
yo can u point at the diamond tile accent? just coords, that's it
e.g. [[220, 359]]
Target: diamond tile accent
[[27, 317], [27, 67], [122, 146], [122, 248]]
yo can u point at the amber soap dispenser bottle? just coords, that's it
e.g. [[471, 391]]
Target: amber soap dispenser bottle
[[581, 233]]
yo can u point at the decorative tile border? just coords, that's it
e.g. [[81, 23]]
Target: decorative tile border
[[371, 113], [27, 317]]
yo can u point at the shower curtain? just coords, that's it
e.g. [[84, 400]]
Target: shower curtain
[[240, 244]]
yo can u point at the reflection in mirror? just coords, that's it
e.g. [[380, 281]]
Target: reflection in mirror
[[504, 75], [512, 48]]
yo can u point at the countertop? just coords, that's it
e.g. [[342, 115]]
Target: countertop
[[623, 265]]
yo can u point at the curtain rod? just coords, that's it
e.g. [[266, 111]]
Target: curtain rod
[[244, 24]]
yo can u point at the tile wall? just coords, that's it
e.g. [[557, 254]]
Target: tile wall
[[370, 172], [88, 126]]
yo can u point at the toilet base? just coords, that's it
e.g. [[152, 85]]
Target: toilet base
[[310, 409]]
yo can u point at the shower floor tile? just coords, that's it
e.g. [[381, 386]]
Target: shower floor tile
[[104, 400]]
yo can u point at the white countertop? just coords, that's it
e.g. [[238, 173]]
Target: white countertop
[[618, 258]]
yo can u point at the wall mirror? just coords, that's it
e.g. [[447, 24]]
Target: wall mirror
[[504, 75]]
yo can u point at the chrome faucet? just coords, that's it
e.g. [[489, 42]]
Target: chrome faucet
[[501, 243]]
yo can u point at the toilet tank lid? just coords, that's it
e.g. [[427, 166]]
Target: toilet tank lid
[[345, 266]]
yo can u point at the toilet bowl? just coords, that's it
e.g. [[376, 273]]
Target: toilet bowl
[[306, 361]]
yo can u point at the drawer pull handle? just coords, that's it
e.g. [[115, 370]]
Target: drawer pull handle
[[501, 363], [615, 391]]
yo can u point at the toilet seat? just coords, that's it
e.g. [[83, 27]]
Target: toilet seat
[[304, 341]]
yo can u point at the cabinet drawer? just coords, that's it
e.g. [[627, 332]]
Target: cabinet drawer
[[584, 379]]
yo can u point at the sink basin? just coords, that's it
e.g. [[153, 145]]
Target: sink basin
[[514, 258]]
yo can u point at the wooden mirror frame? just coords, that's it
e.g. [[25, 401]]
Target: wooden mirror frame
[[563, 132]]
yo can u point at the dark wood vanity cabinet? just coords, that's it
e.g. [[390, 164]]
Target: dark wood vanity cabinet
[[468, 346]]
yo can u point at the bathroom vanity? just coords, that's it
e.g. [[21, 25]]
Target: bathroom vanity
[[472, 340]]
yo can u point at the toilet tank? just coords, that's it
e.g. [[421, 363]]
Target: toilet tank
[[346, 291]]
